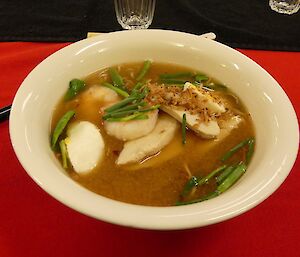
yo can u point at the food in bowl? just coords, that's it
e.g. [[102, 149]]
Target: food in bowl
[[152, 133]]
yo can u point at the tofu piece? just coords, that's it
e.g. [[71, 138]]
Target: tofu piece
[[207, 130], [138, 149], [85, 146]]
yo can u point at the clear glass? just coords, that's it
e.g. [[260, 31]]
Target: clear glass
[[285, 6], [135, 14]]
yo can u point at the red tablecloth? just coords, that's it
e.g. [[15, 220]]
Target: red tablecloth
[[32, 223]]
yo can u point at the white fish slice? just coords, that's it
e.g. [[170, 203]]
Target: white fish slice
[[138, 149]]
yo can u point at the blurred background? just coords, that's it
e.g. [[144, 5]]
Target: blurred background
[[243, 24]]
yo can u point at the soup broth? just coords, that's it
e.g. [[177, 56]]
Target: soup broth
[[160, 179]]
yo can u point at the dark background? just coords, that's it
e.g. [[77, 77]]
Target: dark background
[[238, 23]]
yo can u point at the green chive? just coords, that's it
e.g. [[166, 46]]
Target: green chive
[[205, 179], [233, 150], [75, 86], [116, 78], [175, 75], [154, 107], [225, 174], [216, 87], [183, 128], [130, 107], [116, 89], [137, 87], [141, 117], [144, 70], [204, 198], [64, 153], [120, 104], [118, 114], [200, 77], [135, 116], [250, 150], [173, 81], [60, 126], [192, 182], [232, 178]]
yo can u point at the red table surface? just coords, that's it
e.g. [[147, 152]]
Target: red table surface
[[32, 223]]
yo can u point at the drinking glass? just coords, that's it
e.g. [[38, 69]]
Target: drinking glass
[[285, 6], [134, 14]]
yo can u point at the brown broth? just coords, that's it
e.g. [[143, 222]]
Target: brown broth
[[159, 180]]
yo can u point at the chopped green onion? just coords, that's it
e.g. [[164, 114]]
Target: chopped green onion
[[75, 86], [173, 81], [205, 179], [204, 198], [233, 150], [175, 75], [200, 77], [192, 182], [144, 70], [232, 178], [225, 174], [183, 128], [130, 107], [137, 87], [60, 126], [141, 117], [250, 150], [135, 116], [116, 78], [154, 107], [120, 104], [217, 87], [118, 114], [64, 153], [116, 89]]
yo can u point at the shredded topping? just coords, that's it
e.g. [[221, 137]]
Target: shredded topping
[[179, 97]]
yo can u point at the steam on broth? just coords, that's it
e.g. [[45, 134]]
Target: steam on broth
[[152, 134]]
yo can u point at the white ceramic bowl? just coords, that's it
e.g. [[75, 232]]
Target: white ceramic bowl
[[276, 126]]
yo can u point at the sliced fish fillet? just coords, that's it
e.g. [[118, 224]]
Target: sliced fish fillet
[[129, 130], [138, 149]]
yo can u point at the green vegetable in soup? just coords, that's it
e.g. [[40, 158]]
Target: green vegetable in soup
[[201, 199], [183, 128], [215, 87], [120, 104], [116, 78], [60, 126], [200, 77], [174, 81], [250, 150], [225, 174], [232, 178], [192, 182], [137, 87], [211, 175], [135, 116], [144, 70], [116, 89], [75, 86], [227, 155], [64, 153]]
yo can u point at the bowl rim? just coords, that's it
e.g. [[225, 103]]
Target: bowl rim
[[163, 220]]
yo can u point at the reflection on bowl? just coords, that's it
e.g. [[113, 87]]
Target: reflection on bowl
[[270, 109]]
